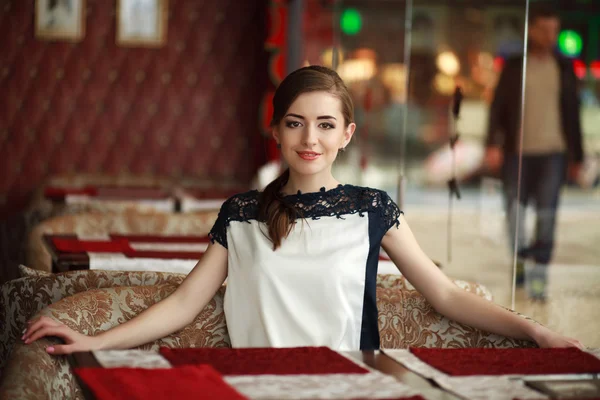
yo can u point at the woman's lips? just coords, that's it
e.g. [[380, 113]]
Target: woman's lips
[[308, 155]]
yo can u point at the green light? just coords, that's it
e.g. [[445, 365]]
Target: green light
[[570, 43], [351, 21]]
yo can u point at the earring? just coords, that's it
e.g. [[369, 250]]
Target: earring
[[343, 149], [279, 145]]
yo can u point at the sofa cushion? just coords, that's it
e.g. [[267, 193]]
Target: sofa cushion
[[98, 310], [21, 299], [407, 319]]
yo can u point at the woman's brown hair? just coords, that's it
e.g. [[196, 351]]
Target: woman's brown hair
[[278, 214]]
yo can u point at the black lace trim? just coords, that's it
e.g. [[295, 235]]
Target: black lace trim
[[338, 202], [241, 207]]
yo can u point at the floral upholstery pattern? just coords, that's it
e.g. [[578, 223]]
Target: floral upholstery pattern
[[405, 319], [32, 373], [399, 281], [130, 222], [21, 299]]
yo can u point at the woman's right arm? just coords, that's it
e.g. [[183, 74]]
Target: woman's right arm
[[163, 318]]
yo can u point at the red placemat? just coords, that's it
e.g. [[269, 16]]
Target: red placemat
[[68, 245], [121, 244], [266, 361], [187, 382], [477, 361]]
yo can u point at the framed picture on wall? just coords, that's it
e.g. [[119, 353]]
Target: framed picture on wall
[[60, 19], [142, 23]]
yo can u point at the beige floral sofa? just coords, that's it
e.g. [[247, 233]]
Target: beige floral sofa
[[21, 299], [94, 301], [130, 222]]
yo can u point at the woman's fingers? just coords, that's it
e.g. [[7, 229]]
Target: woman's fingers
[[38, 324], [59, 331]]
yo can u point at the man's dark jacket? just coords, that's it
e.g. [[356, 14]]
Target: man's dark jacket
[[505, 113]]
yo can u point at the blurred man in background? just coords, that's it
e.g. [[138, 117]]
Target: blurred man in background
[[551, 143]]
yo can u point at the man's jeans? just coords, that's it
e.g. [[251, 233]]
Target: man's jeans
[[541, 179]]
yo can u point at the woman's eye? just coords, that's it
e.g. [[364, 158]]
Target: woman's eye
[[292, 124], [326, 125]]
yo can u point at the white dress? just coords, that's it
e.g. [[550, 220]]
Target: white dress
[[318, 288]]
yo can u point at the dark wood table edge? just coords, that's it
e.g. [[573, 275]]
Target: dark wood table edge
[[380, 361], [84, 359], [67, 261]]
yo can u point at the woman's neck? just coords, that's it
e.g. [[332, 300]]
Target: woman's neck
[[309, 184]]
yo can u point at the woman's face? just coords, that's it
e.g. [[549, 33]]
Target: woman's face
[[312, 132]]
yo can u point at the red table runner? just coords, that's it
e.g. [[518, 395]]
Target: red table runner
[[479, 361], [187, 382], [266, 361], [122, 244], [95, 246]]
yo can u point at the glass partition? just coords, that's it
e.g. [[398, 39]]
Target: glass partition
[[558, 177], [402, 61]]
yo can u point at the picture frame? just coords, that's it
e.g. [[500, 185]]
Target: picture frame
[[142, 23], [60, 19]]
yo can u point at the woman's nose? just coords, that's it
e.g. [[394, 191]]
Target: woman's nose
[[310, 136]]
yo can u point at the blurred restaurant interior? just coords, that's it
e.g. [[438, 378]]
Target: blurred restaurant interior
[[125, 121]]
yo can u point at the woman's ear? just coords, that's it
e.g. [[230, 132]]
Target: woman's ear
[[275, 134], [348, 133]]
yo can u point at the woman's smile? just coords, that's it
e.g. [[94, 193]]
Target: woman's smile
[[308, 155]]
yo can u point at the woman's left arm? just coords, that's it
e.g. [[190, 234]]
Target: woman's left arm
[[456, 303]]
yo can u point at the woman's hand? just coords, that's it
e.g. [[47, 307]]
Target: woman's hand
[[546, 338], [45, 326]]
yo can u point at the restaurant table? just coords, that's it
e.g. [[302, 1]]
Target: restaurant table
[[114, 198], [125, 252], [377, 360], [427, 381], [204, 199]]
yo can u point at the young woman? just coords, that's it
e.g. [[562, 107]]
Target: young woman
[[301, 257]]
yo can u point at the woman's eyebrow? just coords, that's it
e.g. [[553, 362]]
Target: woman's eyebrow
[[319, 117], [294, 115]]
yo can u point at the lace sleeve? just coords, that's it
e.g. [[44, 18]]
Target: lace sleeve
[[240, 207], [218, 233], [390, 212]]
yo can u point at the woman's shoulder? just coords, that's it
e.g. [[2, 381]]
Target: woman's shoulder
[[374, 196], [378, 202], [250, 196], [240, 207]]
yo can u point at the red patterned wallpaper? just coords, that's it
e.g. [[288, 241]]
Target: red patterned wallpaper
[[190, 108]]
